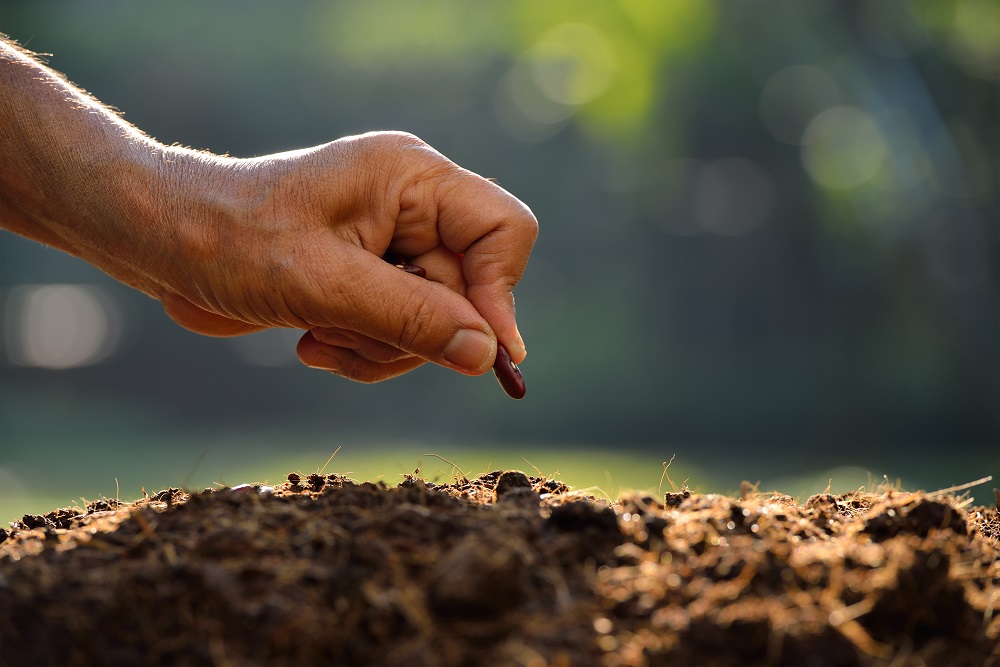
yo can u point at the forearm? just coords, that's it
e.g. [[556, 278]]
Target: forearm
[[76, 176]]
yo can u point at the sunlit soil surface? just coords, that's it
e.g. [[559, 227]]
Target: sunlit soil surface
[[503, 569]]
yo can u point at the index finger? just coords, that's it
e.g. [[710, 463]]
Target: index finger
[[494, 232]]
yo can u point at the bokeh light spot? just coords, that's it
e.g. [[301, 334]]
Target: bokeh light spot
[[60, 326], [568, 67], [524, 112], [843, 148], [974, 38], [572, 64]]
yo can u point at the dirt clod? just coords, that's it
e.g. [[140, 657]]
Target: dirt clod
[[503, 569], [510, 480]]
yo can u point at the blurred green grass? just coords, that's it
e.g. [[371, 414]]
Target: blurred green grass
[[38, 484], [30, 487], [72, 448]]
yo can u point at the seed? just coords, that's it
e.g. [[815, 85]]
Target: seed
[[414, 269], [401, 263], [508, 374]]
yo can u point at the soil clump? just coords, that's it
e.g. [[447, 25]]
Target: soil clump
[[504, 569]]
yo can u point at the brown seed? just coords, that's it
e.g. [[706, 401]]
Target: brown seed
[[508, 374], [401, 263], [414, 269]]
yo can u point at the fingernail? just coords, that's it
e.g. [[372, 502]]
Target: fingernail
[[468, 349]]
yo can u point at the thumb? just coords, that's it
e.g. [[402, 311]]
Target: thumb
[[421, 317]]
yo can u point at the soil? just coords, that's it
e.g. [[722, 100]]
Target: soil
[[505, 569]]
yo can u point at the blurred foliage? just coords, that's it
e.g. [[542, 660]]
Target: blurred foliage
[[769, 229]]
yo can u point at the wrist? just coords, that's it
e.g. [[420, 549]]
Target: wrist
[[180, 196], [200, 206]]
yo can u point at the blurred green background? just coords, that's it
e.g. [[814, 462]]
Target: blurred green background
[[769, 245]]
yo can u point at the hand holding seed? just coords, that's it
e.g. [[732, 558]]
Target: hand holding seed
[[299, 241], [508, 374], [470, 239], [230, 246]]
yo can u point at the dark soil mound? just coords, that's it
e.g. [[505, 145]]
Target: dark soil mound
[[505, 569]]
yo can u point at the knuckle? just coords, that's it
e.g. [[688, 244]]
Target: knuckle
[[391, 142], [398, 136]]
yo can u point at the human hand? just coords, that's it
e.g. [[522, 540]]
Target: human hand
[[232, 246], [297, 240]]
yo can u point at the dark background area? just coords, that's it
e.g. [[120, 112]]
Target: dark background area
[[769, 230]]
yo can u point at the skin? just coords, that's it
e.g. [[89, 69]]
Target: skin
[[231, 246]]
